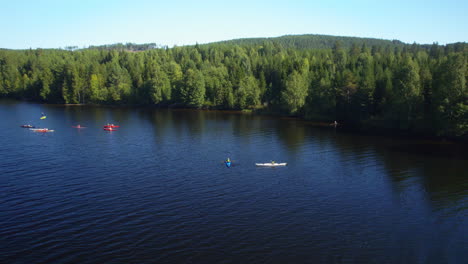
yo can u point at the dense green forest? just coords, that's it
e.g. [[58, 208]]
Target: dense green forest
[[363, 83]]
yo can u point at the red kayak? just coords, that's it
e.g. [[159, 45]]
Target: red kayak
[[110, 126], [110, 129]]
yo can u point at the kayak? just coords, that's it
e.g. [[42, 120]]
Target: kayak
[[42, 130], [110, 126], [271, 164], [228, 164], [78, 126], [27, 126], [109, 129]]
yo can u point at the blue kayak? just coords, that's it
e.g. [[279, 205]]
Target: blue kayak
[[228, 164]]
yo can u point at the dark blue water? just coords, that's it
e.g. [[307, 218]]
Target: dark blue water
[[157, 191]]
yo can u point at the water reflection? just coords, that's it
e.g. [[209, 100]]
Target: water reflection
[[293, 134], [447, 184], [399, 159], [442, 174]]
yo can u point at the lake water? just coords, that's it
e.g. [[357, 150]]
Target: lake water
[[157, 191]]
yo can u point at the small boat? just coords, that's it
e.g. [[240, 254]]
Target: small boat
[[27, 126], [110, 129], [111, 126], [78, 126], [271, 164], [41, 130], [228, 164]]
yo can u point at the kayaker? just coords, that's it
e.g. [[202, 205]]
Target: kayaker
[[228, 160]]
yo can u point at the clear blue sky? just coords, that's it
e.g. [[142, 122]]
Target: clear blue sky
[[55, 24]]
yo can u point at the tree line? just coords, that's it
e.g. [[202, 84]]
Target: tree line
[[311, 41], [412, 88]]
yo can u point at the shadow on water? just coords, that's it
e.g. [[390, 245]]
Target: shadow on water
[[293, 134], [98, 115], [446, 185], [160, 120], [440, 167]]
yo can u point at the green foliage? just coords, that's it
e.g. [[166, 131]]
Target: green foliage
[[450, 95], [295, 93], [218, 87], [97, 91], [193, 89], [46, 81], [407, 92], [248, 93], [159, 88]]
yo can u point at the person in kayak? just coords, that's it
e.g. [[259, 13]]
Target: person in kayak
[[228, 160]]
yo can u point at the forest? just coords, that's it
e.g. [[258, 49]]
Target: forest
[[381, 85]]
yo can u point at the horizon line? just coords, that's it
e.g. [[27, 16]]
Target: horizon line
[[76, 47]]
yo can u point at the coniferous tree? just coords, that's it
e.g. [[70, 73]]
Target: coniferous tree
[[193, 90], [295, 93]]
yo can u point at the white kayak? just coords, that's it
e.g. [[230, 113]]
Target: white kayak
[[43, 130], [270, 164]]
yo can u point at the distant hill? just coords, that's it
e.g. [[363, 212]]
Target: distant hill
[[311, 41], [289, 41], [300, 42], [127, 47]]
